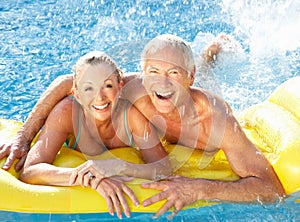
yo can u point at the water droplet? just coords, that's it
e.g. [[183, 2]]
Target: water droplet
[[182, 110], [146, 135], [214, 101], [235, 128]]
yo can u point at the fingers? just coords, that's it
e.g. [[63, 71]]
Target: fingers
[[118, 199], [155, 198], [14, 151], [3, 151], [95, 182], [153, 185], [173, 214], [107, 198], [112, 191], [81, 175], [9, 161], [131, 195], [88, 178], [20, 163], [164, 209], [73, 177]]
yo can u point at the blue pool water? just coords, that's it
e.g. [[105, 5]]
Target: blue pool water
[[40, 40]]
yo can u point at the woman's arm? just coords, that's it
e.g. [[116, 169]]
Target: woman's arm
[[38, 168]]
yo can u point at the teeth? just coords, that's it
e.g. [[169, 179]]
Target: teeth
[[101, 107], [164, 95]]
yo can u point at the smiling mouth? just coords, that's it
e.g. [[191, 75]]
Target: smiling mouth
[[163, 96], [102, 107]]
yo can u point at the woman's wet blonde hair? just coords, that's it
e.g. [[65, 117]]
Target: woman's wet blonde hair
[[95, 58]]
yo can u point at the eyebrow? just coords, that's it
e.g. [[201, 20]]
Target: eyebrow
[[173, 68], [91, 82], [152, 67]]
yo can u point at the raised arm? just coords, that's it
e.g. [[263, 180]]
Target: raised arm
[[17, 148]]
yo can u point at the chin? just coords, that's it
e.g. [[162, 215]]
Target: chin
[[164, 108]]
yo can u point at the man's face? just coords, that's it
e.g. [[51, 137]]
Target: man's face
[[166, 79]]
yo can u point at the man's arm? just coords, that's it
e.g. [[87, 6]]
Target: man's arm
[[58, 89], [18, 147], [258, 181]]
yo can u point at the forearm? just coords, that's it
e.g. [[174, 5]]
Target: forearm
[[248, 189], [59, 89], [151, 171], [46, 174]]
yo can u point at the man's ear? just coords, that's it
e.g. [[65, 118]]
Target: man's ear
[[192, 76], [121, 84]]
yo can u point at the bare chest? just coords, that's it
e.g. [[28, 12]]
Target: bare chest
[[190, 132]]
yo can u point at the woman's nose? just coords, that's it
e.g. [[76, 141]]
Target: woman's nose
[[101, 95]]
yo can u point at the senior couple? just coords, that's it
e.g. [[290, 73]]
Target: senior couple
[[104, 110]]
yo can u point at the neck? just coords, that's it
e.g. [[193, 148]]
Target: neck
[[102, 127], [183, 111]]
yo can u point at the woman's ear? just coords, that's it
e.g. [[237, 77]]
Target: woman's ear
[[74, 93]]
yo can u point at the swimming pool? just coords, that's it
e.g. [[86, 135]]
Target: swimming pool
[[41, 40]]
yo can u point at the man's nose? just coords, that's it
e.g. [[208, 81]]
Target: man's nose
[[164, 78]]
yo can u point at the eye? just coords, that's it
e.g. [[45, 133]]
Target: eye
[[152, 71], [174, 72], [108, 85], [89, 88]]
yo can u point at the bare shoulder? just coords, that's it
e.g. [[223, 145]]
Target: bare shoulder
[[62, 113], [134, 114], [208, 100], [65, 105]]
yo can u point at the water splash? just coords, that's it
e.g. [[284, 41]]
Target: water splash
[[269, 26]]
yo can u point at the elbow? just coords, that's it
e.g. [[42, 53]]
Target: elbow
[[26, 176], [276, 189], [278, 193], [272, 193]]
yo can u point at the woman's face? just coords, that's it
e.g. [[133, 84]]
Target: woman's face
[[97, 90]]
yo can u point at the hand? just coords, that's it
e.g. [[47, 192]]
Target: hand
[[113, 189], [178, 191], [17, 148], [98, 168]]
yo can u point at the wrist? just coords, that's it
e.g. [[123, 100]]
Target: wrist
[[22, 138]]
